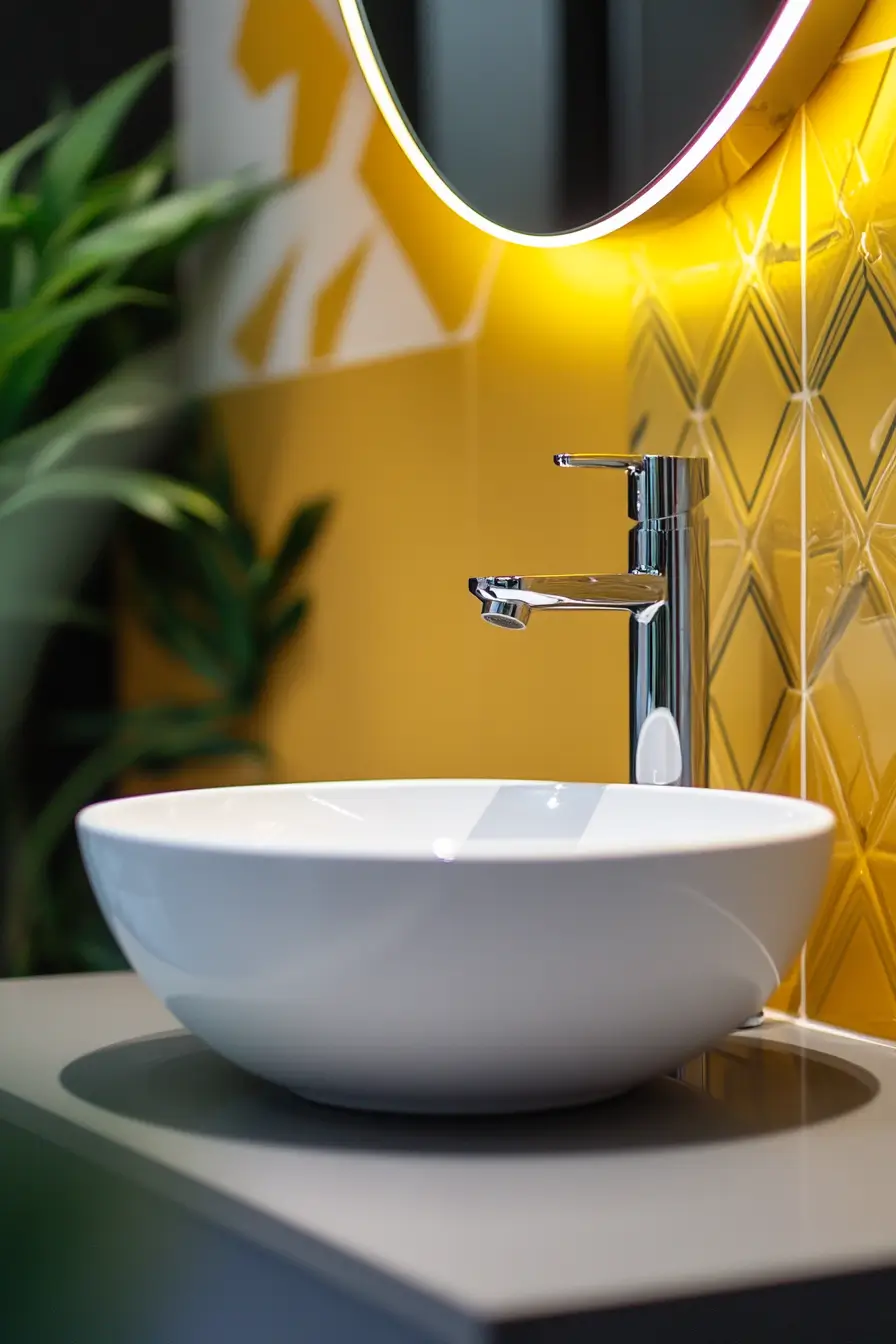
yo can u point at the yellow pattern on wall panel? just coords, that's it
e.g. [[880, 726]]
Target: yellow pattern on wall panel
[[292, 38], [448, 256], [252, 338], [851, 517], [761, 333], [772, 348], [333, 301]]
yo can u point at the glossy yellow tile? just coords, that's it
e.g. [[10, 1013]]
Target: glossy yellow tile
[[847, 124], [851, 980], [775, 539], [750, 433], [764, 212], [691, 273], [875, 25], [752, 701], [851, 695], [787, 998], [854, 375], [663, 383], [833, 542]]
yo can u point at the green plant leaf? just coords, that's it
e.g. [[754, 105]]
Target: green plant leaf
[[33, 341], [297, 540], [22, 329], [175, 220], [116, 195], [216, 477], [51, 611], [15, 215], [283, 624], [139, 185], [93, 952], [22, 383], [185, 639], [23, 268], [91, 131], [229, 602], [140, 396], [157, 497], [13, 160], [189, 571], [171, 752]]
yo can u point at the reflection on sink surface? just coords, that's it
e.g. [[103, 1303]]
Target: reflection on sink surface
[[745, 1087], [458, 946]]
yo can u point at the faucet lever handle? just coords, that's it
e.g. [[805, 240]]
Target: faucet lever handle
[[658, 487], [621, 461]]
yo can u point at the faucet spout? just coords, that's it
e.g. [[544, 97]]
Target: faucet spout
[[665, 593], [508, 602]]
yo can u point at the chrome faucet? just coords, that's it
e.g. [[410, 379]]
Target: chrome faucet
[[666, 594]]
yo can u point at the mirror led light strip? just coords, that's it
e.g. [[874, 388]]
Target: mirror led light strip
[[718, 126]]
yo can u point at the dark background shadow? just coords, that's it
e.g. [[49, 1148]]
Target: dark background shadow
[[747, 1087]]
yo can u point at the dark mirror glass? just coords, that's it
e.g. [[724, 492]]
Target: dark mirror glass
[[545, 115]]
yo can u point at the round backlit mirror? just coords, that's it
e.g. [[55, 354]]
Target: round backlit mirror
[[549, 121]]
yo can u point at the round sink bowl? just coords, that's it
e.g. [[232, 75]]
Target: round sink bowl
[[458, 945]]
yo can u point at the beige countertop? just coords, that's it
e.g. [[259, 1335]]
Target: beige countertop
[[774, 1161]]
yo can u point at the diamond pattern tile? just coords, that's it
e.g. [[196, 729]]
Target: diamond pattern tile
[[832, 541], [852, 697], [845, 117], [751, 431], [855, 376], [664, 407], [663, 385], [852, 977], [694, 271], [751, 678], [868, 182], [831, 241], [823, 786], [777, 543], [802, 445], [765, 210]]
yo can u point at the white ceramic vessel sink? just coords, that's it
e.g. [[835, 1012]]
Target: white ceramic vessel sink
[[451, 945]]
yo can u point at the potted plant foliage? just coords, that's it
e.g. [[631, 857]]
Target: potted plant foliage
[[88, 389]]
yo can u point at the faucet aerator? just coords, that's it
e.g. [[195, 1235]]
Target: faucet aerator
[[506, 615]]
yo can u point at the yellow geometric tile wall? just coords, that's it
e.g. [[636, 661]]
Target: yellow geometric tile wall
[[765, 338], [762, 334]]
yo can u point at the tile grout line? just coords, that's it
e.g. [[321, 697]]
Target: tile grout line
[[804, 411]]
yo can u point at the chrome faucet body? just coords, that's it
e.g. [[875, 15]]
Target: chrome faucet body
[[666, 592]]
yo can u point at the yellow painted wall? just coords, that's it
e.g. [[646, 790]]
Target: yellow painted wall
[[762, 334], [439, 459]]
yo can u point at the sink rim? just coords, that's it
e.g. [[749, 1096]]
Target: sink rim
[[108, 819]]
